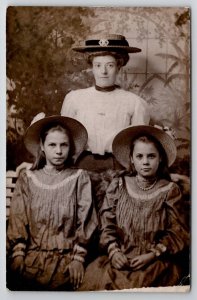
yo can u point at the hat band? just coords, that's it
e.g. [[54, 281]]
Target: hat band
[[107, 43]]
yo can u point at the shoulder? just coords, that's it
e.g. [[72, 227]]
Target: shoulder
[[170, 185], [23, 174], [130, 96], [174, 188], [127, 93], [170, 188], [24, 177], [78, 173], [75, 98], [30, 172], [80, 92]]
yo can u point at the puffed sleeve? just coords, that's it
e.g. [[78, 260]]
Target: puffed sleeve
[[176, 235], [109, 235], [67, 109], [17, 227], [87, 221], [141, 115]]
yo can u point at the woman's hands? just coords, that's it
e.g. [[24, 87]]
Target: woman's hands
[[18, 264], [76, 271], [140, 261], [119, 260]]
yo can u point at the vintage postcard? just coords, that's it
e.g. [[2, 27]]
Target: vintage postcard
[[98, 148]]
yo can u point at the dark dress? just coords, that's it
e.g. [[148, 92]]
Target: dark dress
[[52, 220], [136, 221]]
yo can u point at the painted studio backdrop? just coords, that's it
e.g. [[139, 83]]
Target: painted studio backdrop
[[42, 68]]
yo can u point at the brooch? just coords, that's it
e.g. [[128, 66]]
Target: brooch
[[103, 43]]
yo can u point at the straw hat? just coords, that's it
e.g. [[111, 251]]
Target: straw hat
[[123, 140], [77, 131], [107, 42]]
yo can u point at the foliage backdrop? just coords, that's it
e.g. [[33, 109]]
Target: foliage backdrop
[[42, 68]]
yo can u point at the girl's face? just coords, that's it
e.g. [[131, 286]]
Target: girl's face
[[105, 70], [56, 148], [146, 159]]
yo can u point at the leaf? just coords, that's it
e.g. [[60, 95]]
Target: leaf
[[173, 66], [174, 76], [150, 79]]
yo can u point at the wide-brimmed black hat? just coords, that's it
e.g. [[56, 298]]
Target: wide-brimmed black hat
[[77, 132], [107, 42], [123, 140]]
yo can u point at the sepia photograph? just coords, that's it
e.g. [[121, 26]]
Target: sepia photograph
[[98, 148]]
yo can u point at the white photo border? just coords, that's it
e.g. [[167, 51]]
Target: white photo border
[[6, 294]]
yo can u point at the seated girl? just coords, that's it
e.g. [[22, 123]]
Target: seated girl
[[52, 217], [143, 229]]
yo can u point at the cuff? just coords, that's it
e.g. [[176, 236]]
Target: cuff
[[79, 253], [19, 250], [158, 249], [18, 253], [112, 249]]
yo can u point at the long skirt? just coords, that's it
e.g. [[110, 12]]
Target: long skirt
[[100, 275], [43, 270]]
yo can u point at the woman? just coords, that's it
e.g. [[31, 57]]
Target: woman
[[104, 109]]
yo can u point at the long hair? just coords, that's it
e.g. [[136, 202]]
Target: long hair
[[121, 57], [162, 171], [40, 160]]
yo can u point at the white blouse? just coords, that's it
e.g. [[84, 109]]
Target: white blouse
[[104, 114]]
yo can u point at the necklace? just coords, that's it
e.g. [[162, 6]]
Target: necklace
[[145, 188], [52, 174]]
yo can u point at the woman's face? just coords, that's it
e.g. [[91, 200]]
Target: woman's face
[[56, 148], [105, 70], [146, 159]]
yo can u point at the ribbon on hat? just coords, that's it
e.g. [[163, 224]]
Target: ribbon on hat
[[107, 42], [38, 117], [170, 131]]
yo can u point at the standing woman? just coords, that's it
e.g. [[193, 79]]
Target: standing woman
[[105, 108]]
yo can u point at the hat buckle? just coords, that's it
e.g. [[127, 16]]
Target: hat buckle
[[103, 43]]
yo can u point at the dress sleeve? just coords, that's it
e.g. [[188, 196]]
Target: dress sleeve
[[109, 237], [17, 227], [176, 236], [87, 221], [141, 115], [67, 109]]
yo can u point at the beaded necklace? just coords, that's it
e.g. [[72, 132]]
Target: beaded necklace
[[145, 188]]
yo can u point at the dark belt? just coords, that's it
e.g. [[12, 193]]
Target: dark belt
[[98, 156], [96, 162]]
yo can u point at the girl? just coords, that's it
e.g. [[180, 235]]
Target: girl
[[52, 217], [143, 228]]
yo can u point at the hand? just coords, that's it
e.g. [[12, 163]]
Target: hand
[[119, 260], [141, 260], [183, 181], [18, 264], [76, 271], [23, 165]]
